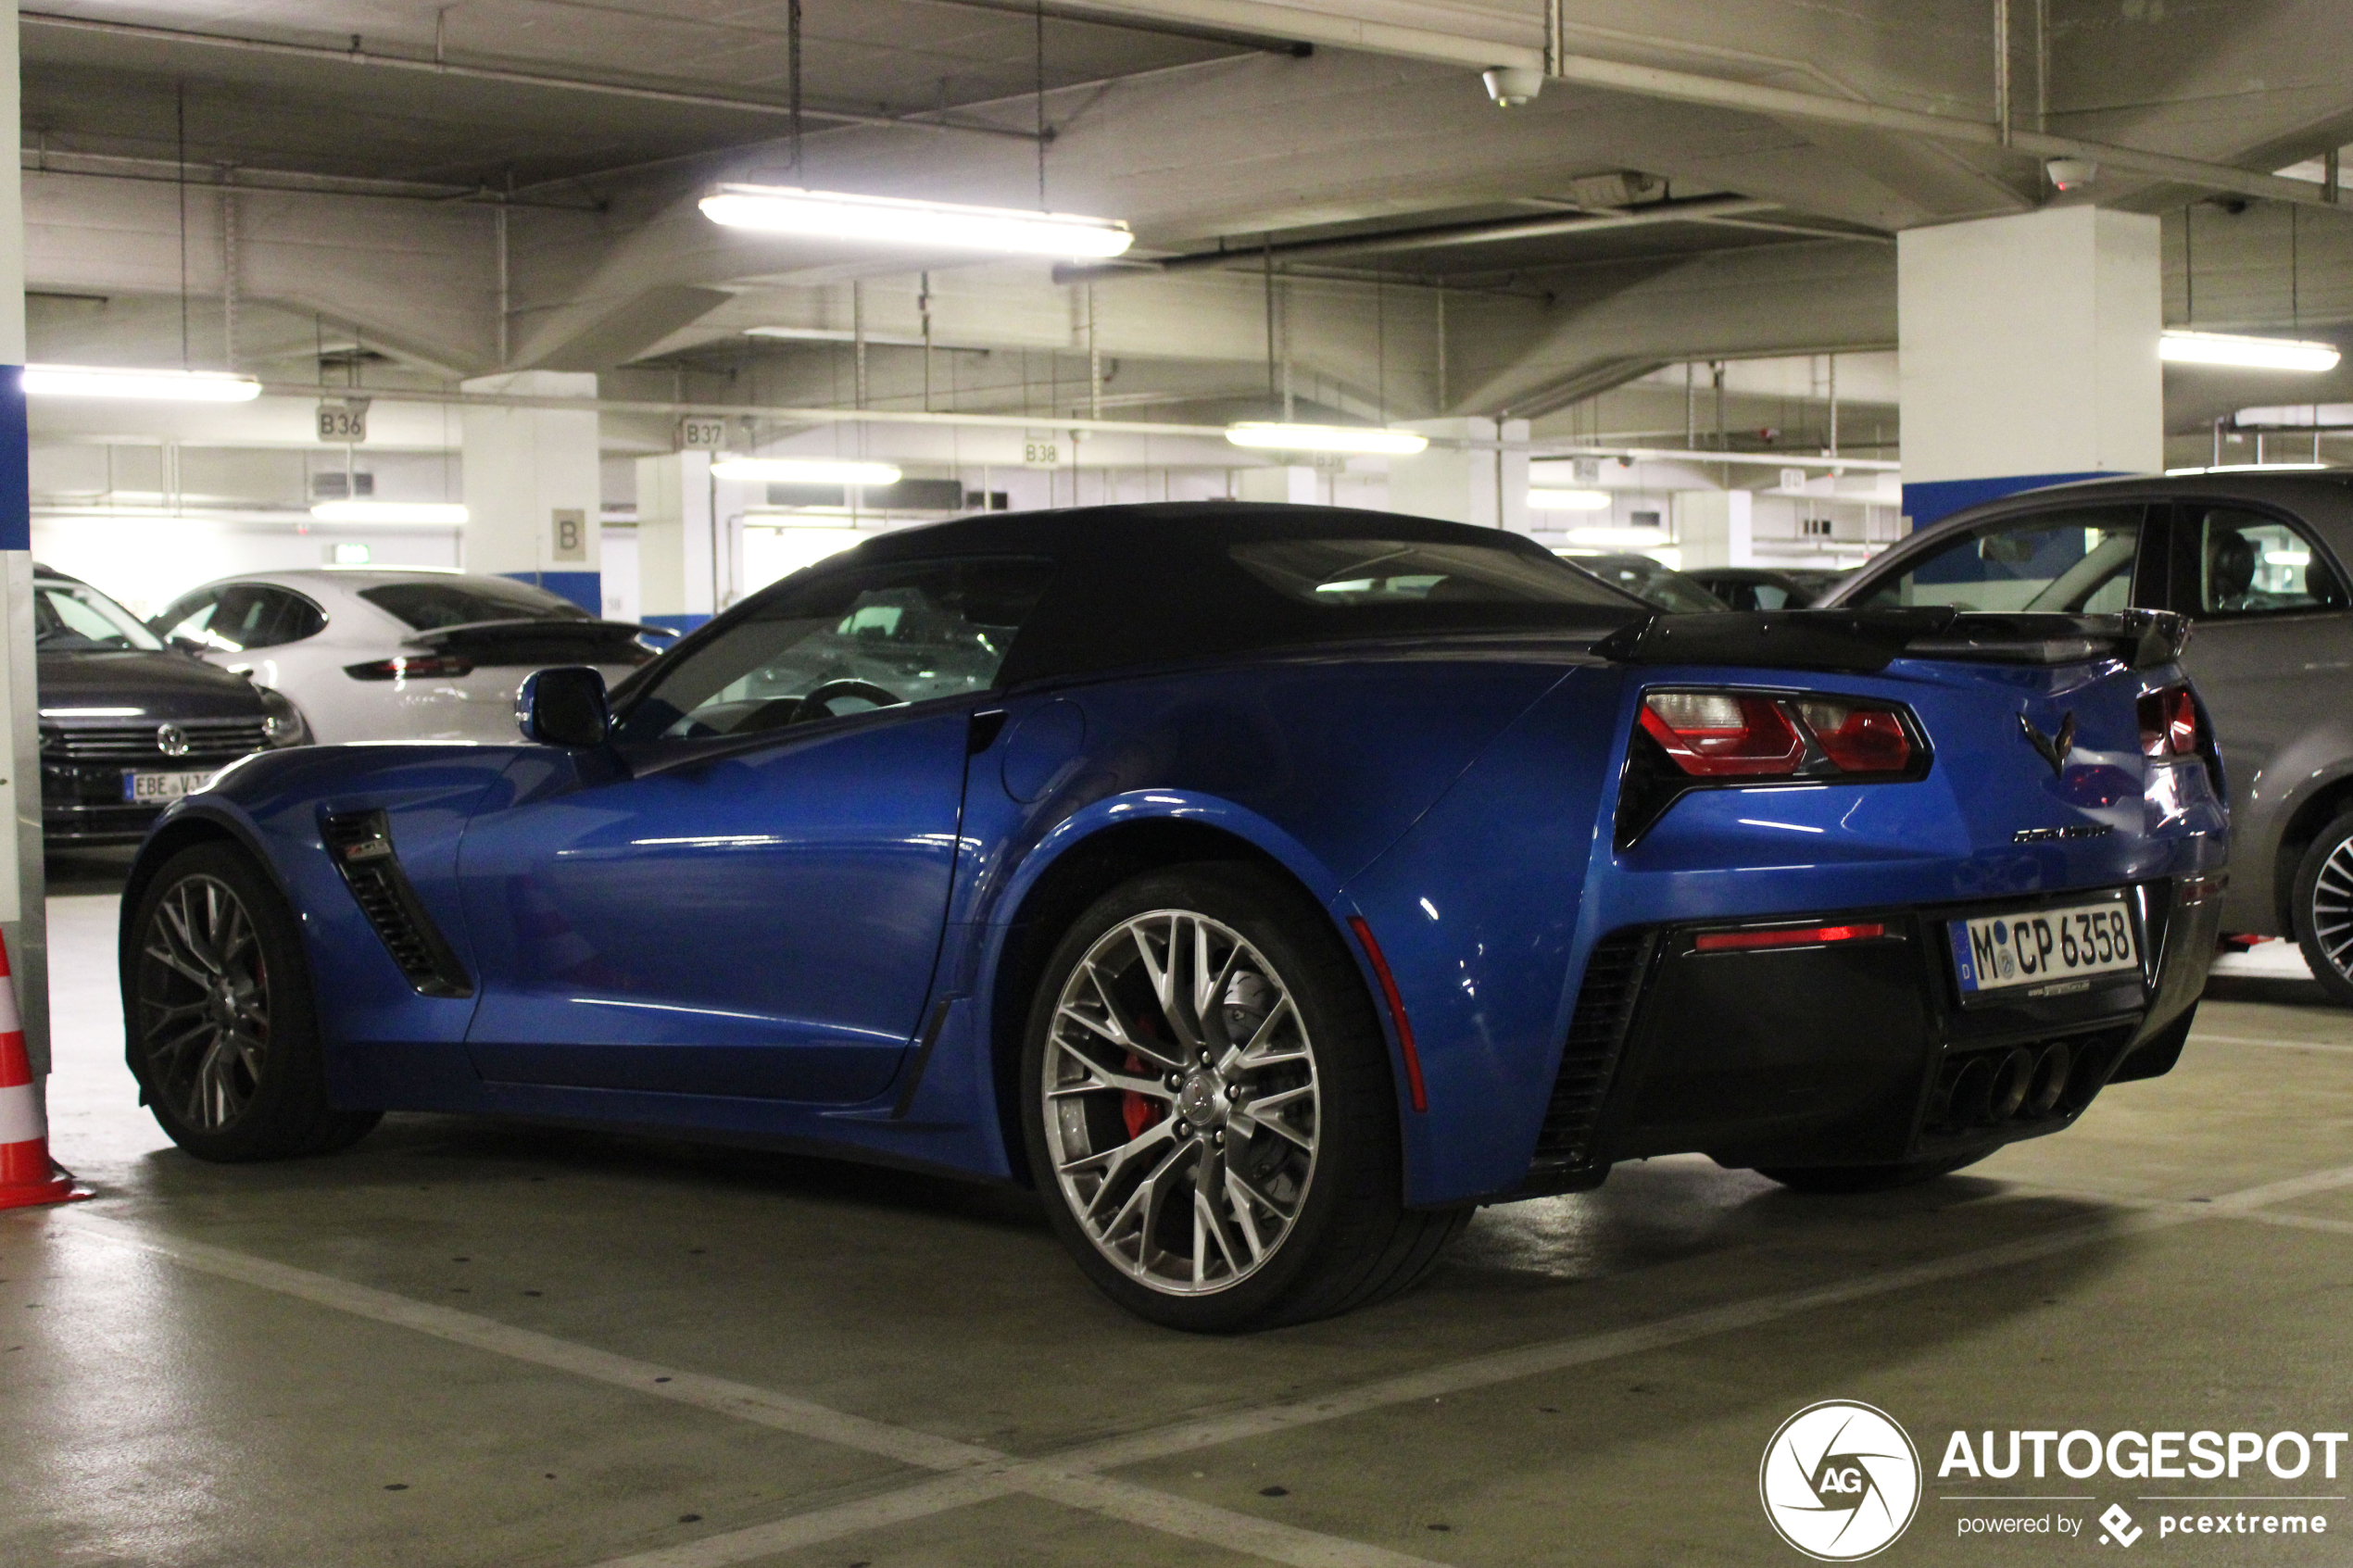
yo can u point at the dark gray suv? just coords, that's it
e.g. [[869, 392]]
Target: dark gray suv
[[2260, 562]]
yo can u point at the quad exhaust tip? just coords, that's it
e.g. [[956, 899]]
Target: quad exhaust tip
[[1994, 1087]]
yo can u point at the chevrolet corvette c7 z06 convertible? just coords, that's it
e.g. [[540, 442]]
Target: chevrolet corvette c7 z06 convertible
[[1267, 886]]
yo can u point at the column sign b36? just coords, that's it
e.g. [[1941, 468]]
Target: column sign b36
[[344, 423]]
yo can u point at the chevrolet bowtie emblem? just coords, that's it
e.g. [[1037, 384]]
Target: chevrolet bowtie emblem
[[2050, 749]]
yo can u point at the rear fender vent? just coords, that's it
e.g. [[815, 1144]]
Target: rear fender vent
[[360, 845], [1606, 1001]]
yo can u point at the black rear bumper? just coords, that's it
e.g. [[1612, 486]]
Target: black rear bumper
[[1852, 1053]]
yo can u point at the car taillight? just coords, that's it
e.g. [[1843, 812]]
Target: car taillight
[[1748, 735], [1859, 739], [408, 668], [1723, 734], [2170, 723]]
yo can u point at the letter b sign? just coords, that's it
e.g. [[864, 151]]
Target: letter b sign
[[570, 529]]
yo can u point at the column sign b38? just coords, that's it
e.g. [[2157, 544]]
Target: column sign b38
[[344, 423]]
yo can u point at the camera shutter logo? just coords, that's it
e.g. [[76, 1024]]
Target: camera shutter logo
[[1841, 1481]]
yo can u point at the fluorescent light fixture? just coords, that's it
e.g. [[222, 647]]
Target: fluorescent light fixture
[[174, 386], [1568, 500], [2245, 353], [1634, 538], [2246, 468], [1265, 436], [838, 215], [448, 514], [92, 712], [2287, 557], [796, 517], [805, 471]]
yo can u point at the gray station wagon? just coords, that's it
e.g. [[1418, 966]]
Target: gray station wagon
[[2260, 562]]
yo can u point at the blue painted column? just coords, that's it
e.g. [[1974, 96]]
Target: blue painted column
[[533, 494], [2028, 354], [23, 912]]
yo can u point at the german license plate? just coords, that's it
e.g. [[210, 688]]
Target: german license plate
[[154, 789], [2040, 952]]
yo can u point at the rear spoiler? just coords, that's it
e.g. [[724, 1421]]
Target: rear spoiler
[[1863, 641], [521, 631]]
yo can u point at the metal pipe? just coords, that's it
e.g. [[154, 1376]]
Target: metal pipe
[[2002, 67], [496, 73]]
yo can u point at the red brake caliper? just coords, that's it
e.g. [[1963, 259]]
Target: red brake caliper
[[1134, 1108]]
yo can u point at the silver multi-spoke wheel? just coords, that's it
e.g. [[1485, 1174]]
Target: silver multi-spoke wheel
[[2331, 909], [1181, 1105], [204, 1002]]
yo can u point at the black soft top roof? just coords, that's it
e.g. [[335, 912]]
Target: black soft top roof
[[1149, 584]]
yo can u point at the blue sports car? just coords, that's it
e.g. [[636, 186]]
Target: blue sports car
[[1267, 886]]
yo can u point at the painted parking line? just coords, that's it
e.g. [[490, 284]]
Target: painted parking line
[[2199, 1035], [1073, 1477]]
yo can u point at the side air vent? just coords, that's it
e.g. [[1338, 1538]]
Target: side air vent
[[361, 843], [1597, 1035]]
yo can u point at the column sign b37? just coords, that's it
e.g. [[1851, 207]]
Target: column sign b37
[[702, 434], [344, 423]]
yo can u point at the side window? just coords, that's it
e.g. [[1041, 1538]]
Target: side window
[[2079, 561], [2238, 562], [188, 619], [846, 643], [290, 618], [251, 615]]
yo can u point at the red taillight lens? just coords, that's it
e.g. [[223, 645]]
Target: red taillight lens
[[1723, 734], [1785, 936], [1860, 740], [412, 667], [2169, 723]]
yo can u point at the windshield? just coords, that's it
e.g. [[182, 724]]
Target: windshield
[[1645, 579], [462, 601], [76, 618], [1341, 573]]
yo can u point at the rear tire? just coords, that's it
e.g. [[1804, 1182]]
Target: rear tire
[[1827, 1180], [2321, 908], [220, 1028], [1207, 1103]]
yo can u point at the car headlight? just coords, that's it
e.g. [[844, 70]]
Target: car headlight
[[282, 722]]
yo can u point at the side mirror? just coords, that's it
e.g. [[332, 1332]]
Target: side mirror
[[563, 706]]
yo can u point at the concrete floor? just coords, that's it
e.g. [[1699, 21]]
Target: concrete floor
[[472, 1343]]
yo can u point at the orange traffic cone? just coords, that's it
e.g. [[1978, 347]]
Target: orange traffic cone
[[27, 1173]]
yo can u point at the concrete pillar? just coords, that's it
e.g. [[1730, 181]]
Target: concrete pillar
[[23, 913], [1298, 486], [2028, 354], [1715, 527], [533, 491], [1484, 486], [676, 585]]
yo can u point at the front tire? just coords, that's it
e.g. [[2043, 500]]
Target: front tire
[[1208, 1107], [2321, 908], [219, 1024]]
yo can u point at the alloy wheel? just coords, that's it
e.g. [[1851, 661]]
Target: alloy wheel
[[1181, 1103], [203, 1003], [2333, 909]]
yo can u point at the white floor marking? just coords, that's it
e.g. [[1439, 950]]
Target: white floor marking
[[1073, 1477], [2200, 1035]]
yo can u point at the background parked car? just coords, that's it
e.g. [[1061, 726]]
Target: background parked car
[[2259, 560], [1661, 587], [126, 726], [406, 653], [1767, 587]]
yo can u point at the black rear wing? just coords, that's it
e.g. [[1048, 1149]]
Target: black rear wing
[[1864, 641], [540, 640]]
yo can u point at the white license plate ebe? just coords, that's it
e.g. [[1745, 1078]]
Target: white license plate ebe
[[155, 789], [2038, 950]]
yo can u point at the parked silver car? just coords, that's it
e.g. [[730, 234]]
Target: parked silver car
[[2260, 562]]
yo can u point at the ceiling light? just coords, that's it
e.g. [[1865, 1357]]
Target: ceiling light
[[1637, 538], [2071, 173], [1568, 500], [837, 215], [2245, 353], [1511, 87], [448, 514], [1264, 435], [805, 471], [182, 386]]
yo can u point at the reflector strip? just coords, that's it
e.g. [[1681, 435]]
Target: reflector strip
[[1797, 936], [1396, 1011]]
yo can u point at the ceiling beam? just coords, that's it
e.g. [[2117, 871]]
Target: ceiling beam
[[1331, 26], [356, 55]]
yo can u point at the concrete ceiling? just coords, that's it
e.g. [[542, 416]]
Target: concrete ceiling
[[363, 179]]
